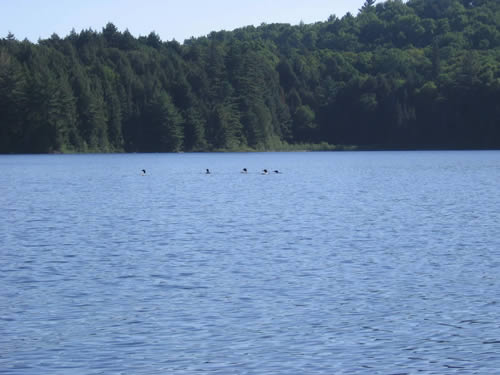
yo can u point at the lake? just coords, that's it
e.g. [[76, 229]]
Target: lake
[[344, 263]]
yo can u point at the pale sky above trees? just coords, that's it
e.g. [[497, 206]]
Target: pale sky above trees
[[170, 19]]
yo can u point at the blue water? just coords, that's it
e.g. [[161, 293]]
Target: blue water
[[346, 263]]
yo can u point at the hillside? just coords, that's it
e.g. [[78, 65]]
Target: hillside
[[415, 74]]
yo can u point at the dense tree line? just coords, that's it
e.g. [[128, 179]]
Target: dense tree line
[[415, 74]]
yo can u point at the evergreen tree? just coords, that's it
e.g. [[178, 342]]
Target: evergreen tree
[[12, 103], [415, 73], [367, 5], [162, 125]]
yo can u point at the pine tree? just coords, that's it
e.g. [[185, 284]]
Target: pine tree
[[367, 5], [162, 125], [12, 103]]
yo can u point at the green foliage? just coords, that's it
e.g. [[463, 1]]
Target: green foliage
[[416, 73], [367, 6], [304, 123], [162, 120]]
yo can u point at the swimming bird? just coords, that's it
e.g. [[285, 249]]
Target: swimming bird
[[276, 171], [143, 171], [208, 171], [264, 171], [244, 170]]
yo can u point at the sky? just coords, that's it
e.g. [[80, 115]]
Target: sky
[[170, 19]]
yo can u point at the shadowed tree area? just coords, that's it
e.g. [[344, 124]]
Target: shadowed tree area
[[415, 74]]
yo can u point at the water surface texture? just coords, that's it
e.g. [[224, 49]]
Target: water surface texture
[[344, 263]]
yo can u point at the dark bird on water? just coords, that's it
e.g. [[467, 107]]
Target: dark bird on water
[[208, 171], [264, 171], [244, 170], [143, 171]]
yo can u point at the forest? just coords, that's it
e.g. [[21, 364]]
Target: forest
[[414, 74]]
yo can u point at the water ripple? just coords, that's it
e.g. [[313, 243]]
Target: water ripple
[[347, 263]]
